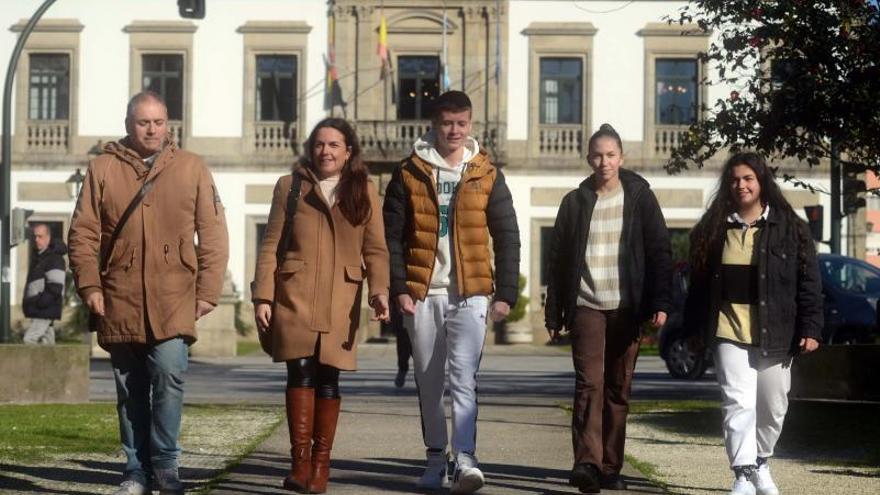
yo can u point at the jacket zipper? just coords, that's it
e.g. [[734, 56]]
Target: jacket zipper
[[455, 256]]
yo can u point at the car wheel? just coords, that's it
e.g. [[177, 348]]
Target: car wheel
[[683, 362]]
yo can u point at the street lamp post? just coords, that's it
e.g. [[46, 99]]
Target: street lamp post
[[74, 184], [6, 176]]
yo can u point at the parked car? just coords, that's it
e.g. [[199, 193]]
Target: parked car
[[851, 290]]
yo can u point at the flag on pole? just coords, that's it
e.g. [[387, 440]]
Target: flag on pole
[[382, 49], [333, 91], [444, 81], [497, 42]]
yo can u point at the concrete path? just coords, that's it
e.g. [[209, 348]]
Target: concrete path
[[524, 440]]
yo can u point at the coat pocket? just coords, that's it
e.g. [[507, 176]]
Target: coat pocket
[[117, 258], [188, 256], [354, 273], [291, 266]]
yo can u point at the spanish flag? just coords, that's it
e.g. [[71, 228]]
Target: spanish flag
[[382, 49]]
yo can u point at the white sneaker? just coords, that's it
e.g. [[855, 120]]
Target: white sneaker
[[467, 478], [435, 476], [742, 486], [131, 487], [763, 482]]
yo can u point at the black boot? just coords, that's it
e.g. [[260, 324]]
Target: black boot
[[585, 477]]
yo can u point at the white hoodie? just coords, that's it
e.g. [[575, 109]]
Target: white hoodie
[[446, 178]]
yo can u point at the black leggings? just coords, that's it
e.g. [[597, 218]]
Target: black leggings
[[308, 372]]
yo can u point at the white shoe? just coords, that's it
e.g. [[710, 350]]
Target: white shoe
[[131, 487], [467, 478], [763, 482], [742, 486], [435, 476]]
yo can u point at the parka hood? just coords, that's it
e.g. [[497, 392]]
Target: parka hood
[[425, 148]]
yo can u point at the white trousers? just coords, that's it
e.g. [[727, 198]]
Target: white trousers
[[448, 329], [754, 393]]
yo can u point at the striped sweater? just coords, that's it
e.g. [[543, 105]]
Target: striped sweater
[[600, 286]]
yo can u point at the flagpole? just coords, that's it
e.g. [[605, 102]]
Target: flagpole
[[444, 83], [497, 78], [383, 55]]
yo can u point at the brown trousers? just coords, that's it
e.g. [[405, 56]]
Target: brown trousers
[[604, 346]]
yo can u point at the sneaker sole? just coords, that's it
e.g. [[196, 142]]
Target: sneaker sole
[[468, 483]]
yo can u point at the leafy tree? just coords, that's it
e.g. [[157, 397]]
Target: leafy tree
[[806, 74]]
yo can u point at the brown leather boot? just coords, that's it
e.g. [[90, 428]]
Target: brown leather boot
[[326, 416], [300, 404]]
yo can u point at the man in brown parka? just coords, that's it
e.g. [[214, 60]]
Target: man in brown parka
[[149, 287]]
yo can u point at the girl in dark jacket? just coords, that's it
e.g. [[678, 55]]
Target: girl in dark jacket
[[756, 295], [611, 269]]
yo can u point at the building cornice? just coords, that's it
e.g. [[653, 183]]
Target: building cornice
[[274, 27], [50, 26], [665, 29], [160, 27], [560, 29]]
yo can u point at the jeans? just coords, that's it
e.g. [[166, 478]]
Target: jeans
[[448, 330], [149, 400]]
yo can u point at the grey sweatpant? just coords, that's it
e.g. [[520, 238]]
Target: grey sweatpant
[[448, 329], [40, 332]]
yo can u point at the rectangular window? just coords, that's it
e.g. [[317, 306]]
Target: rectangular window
[[49, 89], [163, 74], [561, 90], [276, 88], [418, 85], [676, 87]]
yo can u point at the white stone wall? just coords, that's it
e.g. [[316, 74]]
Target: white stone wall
[[218, 63], [617, 88]]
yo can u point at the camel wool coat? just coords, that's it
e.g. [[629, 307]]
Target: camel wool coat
[[154, 272], [317, 290]]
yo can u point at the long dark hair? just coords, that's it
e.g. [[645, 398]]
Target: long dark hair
[[709, 233], [352, 193]]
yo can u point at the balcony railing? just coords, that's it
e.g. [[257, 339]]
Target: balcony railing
[[48, 136], [394, 139], [276, 138], [562, 140], [175, 130], [667, 137]]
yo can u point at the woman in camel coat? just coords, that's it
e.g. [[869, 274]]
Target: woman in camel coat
[[309, 305]]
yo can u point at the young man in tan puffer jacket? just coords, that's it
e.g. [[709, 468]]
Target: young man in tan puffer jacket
[[441, 207]]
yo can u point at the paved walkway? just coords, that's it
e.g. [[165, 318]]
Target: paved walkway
[[524, 440], [523, 448]]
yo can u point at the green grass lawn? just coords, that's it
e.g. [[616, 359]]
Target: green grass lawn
[[247, 347], [39, 433]]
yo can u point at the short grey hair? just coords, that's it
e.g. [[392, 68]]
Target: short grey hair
[[141, 97]]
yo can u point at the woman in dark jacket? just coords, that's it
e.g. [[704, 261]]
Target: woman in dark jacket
[[611, 269], [756, 296]]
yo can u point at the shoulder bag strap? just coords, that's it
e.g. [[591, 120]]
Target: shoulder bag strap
[[145, 188], [292, 203]]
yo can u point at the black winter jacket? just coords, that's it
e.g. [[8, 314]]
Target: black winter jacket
[[789, 289], [645, 257], [44, 292]]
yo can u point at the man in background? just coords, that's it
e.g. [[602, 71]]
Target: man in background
[[44, 292]]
